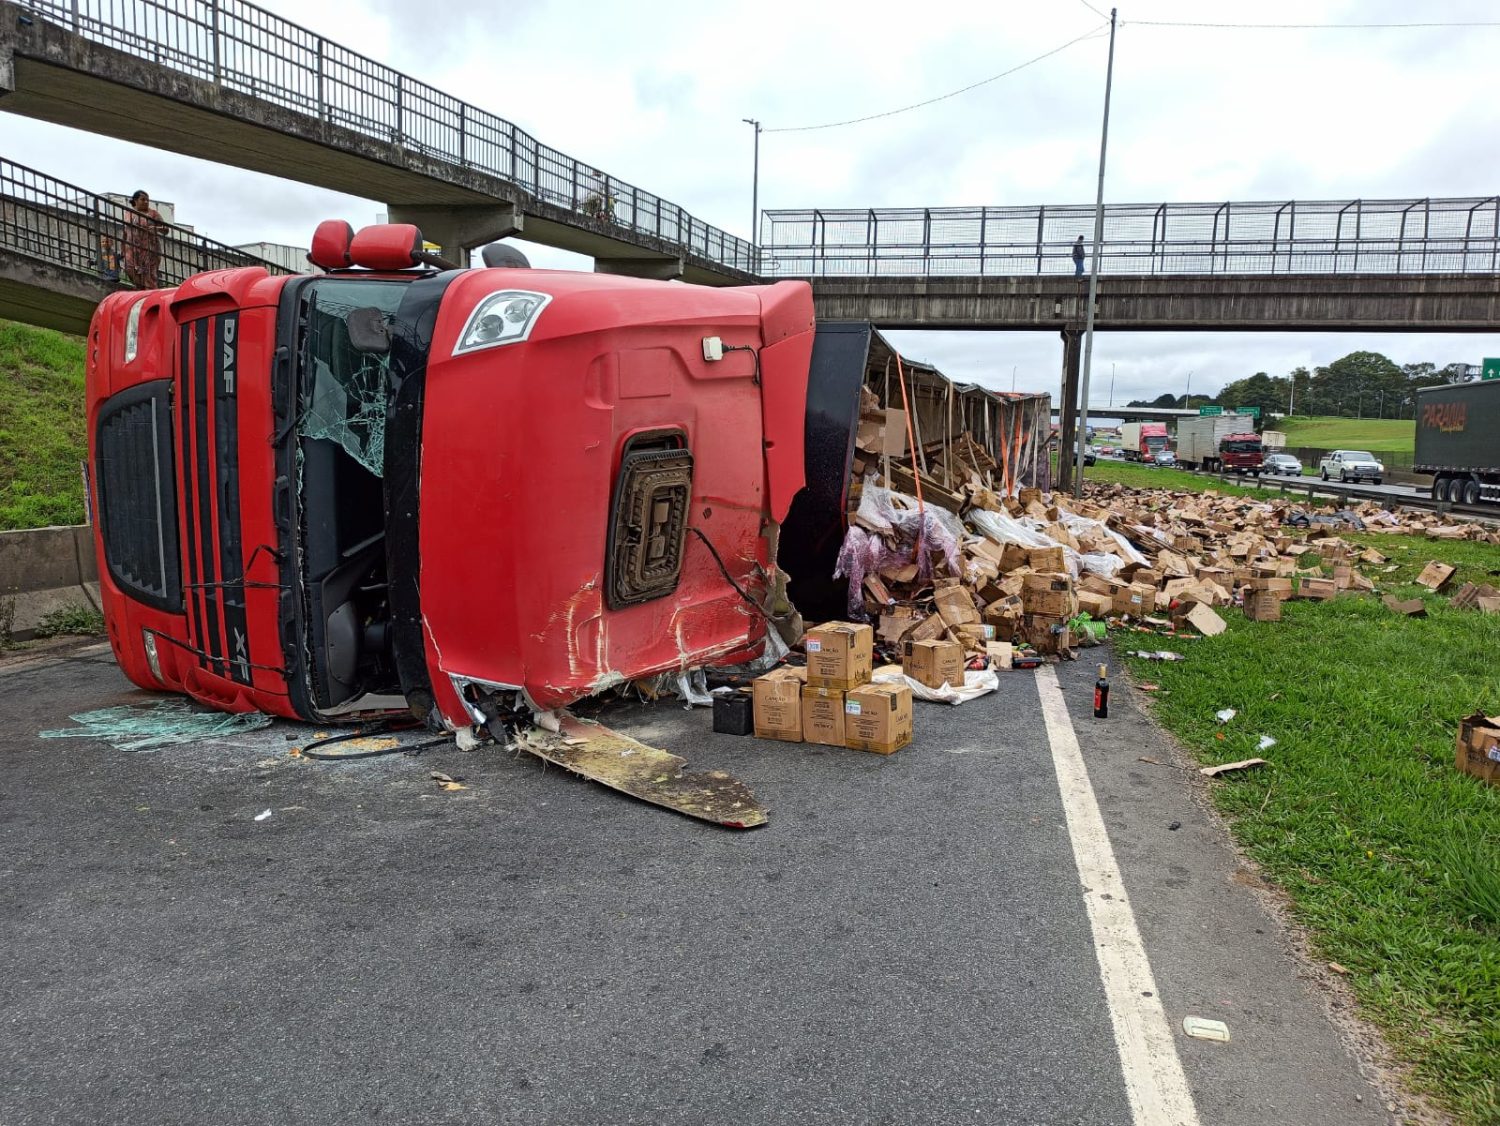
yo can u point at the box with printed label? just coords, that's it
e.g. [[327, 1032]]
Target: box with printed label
[[1479, 747], [839, 655], [823, 716], [778, 704], [1138, 600], [877, 718], [934, 663]]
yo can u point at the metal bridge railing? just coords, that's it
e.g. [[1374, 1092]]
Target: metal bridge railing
[[247, 49], [1292, 237], [64, 225]]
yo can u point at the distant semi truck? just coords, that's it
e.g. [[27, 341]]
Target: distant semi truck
[[1456, 441], [1141, 441], [1219, 442]]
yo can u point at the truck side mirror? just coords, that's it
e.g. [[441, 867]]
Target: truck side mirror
[[368, 331]]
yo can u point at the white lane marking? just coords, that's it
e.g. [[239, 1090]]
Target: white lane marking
[[1154, 1081]]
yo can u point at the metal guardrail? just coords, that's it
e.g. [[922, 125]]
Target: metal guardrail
[[60, 223], [1291, 237], [247, 49], [1314, 487]]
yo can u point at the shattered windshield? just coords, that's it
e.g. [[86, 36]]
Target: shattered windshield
[[344, 391]]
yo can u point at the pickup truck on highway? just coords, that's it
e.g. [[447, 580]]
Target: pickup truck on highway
[[1351, 465]]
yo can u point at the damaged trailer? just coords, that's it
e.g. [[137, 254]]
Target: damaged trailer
[[463, 492]]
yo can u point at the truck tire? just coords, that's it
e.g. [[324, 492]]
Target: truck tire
[[1471, 491], [1376, 480], [1439, 488], [1323, 473]]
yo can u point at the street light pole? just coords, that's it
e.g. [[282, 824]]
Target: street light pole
[[1111, 384], [1088, 330], [755, 187], [1187, 396]]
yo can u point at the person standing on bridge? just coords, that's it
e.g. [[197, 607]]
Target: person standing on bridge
[[143, 227], [1078, 253]]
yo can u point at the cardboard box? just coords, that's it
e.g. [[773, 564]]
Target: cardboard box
[[1138, 600], [823, 716], [1047, 559], [778, 704], [1012, 557], [1048, 635], [1263, 606], [1479, 747], [1343, 575], [928, 628], [1049, 594], [1096, 605], [1000, 653], [955, 605], [839, 655], [877, 718], [934, 663], [1281, 588], [1319, 590], [1411, 607], [1204, 619], [1435, 576]]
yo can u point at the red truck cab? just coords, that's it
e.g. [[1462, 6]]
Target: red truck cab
[[388, 486], [1240, 453]]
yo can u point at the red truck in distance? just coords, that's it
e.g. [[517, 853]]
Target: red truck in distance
[[1141, 441], [394, 486]]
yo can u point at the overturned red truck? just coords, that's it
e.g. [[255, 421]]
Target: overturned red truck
[[395, 485]]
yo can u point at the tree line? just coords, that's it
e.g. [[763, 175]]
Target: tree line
[[1360, 385]]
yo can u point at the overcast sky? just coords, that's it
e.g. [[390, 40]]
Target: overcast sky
[[653, 93]]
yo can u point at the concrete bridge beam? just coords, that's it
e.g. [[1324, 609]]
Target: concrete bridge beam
[[1067, 409], [459, 229], [660, 269]]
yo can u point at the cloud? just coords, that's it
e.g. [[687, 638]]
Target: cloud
[[655, 95]]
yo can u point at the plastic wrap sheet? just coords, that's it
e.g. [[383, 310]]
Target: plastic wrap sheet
[[1004, 528], [977, 683], [864, 553], [1088, 526]]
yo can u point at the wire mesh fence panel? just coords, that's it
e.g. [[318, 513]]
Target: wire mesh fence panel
[[248, 50], [1305, 237]]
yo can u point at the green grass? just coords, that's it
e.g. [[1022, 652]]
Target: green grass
[[1148, 477], [1377, 435], [82, 621], [42, 439], [1391, 856]]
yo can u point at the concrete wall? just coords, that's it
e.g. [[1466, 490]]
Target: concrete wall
[[42, 570]]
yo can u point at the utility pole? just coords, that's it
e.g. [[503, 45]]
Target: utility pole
[[755, 191], [1111, 384], [1081, 437], [1188, 395]]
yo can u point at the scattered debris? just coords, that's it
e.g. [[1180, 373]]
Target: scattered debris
[[1411, 607], [1157, 655], [1226, 767], [1338, 969], [263, 815], [1436, 575], [648, 773], [159, 723], [1479, 747], [1174, 826], [1202, 1028], [1266, 743], [1224, 715]]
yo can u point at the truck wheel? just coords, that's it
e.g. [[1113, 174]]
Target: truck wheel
[[1453, 491], [1323, 473], [1439, 488], [1376, 480], [1471, 491]]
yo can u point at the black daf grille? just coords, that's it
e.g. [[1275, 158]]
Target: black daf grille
[[138, 494]]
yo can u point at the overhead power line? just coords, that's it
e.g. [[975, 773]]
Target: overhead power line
[[941, 97]]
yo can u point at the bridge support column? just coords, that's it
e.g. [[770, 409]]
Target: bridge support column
[[661, 269], [1067, 411], [459, 229]]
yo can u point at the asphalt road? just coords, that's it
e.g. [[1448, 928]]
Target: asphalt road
[[905, 942]]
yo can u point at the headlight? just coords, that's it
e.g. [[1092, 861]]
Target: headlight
[[506, 317], [149, 640], [133, 330]]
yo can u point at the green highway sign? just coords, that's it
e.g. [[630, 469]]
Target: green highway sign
[[1253, 412], [1202, 411], [1491, 369]]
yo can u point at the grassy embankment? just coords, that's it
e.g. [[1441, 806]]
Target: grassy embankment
[[1376, 435], [1390, 855], [42, 442]]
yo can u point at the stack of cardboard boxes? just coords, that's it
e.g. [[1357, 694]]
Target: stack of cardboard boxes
[[831, 701]]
